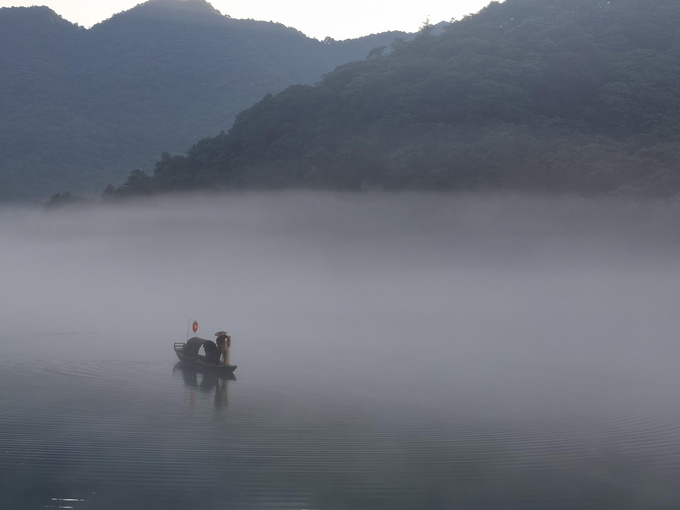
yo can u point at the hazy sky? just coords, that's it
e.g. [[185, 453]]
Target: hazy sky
[[338, 19]]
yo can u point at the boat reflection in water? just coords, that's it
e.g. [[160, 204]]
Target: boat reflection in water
[[205, 382]]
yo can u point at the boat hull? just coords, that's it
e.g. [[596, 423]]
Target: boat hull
[[200, 363]]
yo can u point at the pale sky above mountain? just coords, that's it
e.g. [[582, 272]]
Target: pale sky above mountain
[[340, 19]]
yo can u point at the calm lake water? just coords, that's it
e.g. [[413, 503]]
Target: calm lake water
[[393, 351]]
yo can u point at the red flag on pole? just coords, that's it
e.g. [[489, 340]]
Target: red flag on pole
[[194, 326]]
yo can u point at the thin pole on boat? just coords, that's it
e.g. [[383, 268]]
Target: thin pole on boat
[[188, 328]]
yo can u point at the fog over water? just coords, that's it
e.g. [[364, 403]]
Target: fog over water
[[393, 351]]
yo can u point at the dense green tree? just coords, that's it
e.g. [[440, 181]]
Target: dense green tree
[[555, 95], [59, 200]]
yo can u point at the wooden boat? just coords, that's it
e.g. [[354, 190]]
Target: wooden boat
[[190, 354]]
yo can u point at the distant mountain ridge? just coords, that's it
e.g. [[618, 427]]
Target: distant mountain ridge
[[562, 96], [79, 108], [189, 6]]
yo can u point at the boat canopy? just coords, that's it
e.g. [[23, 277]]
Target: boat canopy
[[193, 345]]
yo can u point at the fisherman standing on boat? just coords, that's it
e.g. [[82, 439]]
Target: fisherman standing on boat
[[223, 344]]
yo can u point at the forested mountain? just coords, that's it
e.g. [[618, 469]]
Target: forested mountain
[[79, 108], [578, 96]]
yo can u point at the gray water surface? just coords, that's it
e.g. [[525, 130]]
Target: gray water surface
[[394, 352]]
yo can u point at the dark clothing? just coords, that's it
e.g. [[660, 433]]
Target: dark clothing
[[220, 341], [223, 344]]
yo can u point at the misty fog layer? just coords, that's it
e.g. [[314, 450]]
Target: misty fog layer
[[411, 350]]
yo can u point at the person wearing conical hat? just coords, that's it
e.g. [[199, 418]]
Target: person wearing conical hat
[[223, 344]]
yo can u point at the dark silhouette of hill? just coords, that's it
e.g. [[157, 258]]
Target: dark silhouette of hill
[[79, 108], [579, 96]]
